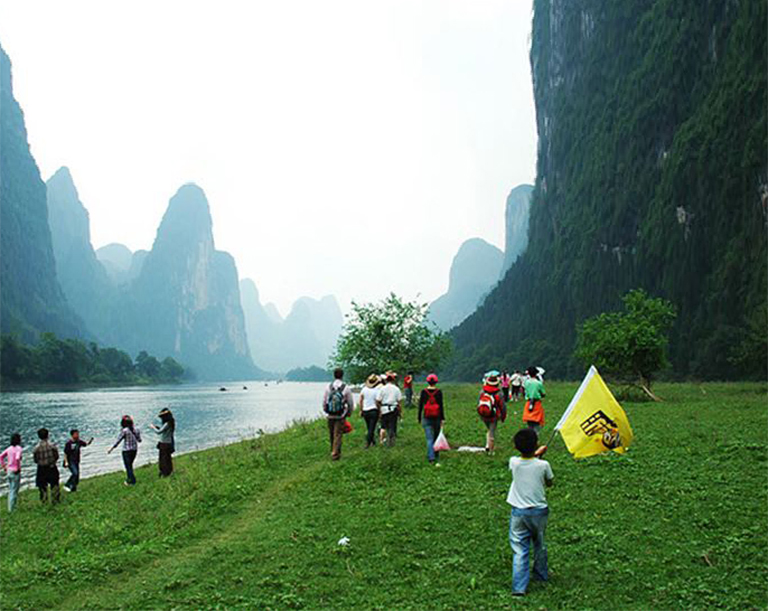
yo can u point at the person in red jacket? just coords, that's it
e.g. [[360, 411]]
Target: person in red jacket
[[408, 387], [491, 407]]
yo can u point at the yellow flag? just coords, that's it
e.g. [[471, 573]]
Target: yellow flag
[[594, 421]]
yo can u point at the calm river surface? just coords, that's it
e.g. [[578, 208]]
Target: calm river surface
[[205, 417]]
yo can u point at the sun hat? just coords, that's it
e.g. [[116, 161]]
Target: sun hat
[[372, 381], [432, 378], [492, 378], [391, 375]]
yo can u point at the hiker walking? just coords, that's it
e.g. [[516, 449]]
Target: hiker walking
[[46, 455], [10, 461], [166, 445], [131, 438], [505, 381], [431, 415], [533, 412], [72, 458], [368, 408], [491, 407], [408, 388], [517, 385], [337, 405], [389, 400]]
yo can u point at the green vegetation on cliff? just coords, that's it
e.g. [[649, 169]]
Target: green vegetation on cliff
[[651, 174], [677, 523]]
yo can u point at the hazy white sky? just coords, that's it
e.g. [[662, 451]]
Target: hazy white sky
[[346, 147]]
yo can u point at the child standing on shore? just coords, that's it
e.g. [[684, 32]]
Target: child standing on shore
[[10, 460], [528, 520], [72, 458], [46, 455]]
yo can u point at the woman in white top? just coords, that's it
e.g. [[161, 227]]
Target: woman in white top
[[368, 408]]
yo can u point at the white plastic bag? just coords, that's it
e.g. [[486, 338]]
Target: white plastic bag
[[441, 443]]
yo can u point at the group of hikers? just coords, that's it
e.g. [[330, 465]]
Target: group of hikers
[[46, 457], [380, 403]]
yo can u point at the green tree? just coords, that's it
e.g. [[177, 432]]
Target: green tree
[[629, 346], [16, 360], [170, 370], [391, 334], [147, 366]]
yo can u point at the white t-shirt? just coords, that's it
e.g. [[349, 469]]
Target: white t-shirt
[[528, 475], [369, 398], [390, 396], [517, 379]]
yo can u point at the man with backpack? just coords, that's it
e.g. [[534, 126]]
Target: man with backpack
[[431, 416], [491, 407], [338, 403]]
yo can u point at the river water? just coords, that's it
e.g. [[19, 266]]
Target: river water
[[205, 417]]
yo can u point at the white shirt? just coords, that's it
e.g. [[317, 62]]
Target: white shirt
[[369, 398], [517, 379], [390, 396], [528, 475]]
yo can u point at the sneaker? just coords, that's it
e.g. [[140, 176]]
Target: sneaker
[[126, 484], [437, 464], [67, 489], [518, 594]]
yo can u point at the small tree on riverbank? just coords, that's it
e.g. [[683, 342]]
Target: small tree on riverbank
[[629, 346], [391, 334]]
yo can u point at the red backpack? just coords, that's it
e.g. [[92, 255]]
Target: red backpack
[[486, 406], [431, 407]]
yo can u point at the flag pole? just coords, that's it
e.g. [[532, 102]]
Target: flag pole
[[551, 437]]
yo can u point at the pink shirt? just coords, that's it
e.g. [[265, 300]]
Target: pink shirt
[[13, 456]]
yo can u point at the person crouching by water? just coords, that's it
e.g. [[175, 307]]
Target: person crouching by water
[[166, 446], [131, 438], [389, 400], [368, 408], [491, 408], [533, 412], [338, 403], [46, 455], [10, 460], [431, 415]]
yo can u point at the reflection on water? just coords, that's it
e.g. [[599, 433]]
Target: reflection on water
[[205, 417]]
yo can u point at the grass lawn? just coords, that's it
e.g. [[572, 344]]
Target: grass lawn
[[680, 522]]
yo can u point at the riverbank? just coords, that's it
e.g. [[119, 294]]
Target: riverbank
[[676, 523]]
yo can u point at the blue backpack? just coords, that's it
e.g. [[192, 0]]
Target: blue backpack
[[335, 404]]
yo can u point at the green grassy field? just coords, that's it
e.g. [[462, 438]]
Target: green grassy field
[[680, 522]]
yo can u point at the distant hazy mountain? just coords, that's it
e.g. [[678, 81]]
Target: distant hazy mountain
[[305, 338], [518, 212], [31, 299], [121, 264], [83, 278], [474, 272], [185, 301]]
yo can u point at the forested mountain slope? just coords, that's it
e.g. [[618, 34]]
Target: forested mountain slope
[[651, 173]]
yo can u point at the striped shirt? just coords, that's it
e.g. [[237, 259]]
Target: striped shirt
[[130, 439]]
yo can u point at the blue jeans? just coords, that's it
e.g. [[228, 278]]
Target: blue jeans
[[431, 431], [525, 526], [14, 481], [128, 457], [74, 479]]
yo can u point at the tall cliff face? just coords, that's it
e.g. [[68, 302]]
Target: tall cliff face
[[651, 173], [83, 279], [31, 299], [474, 272], [517, 214], [305, 338], [185, 301]]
